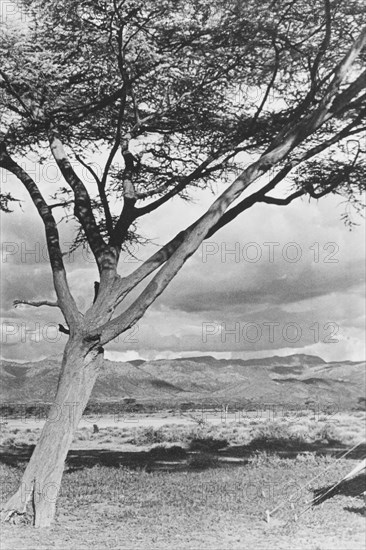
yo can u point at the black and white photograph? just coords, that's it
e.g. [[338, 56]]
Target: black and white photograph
[[183, 260]]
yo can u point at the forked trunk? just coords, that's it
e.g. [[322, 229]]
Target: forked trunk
[[41, 481]]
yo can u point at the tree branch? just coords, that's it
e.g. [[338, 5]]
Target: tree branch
[[14, 93], [128, 214], [65, 300], [142, 211], [319, 194], [102, 194], [83, 209], [88, 167], [324, 45], [64, 330], [343, 100], [90, 107], [282, 202], [270, 85], [117, 138], [60, 204], [35, 303]]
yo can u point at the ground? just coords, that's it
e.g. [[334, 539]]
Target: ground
[[191, 486]]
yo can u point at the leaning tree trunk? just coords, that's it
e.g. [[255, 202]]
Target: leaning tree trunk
[[42, 478]]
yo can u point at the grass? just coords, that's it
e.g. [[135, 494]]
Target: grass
[[110, 507]]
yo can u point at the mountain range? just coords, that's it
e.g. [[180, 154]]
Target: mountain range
[[291, 379]]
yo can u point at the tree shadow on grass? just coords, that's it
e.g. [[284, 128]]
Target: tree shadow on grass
[[208, 444], [202, 454], [354, 510], [156, 458], [290, 448]]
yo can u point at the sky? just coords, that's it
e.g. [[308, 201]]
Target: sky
[[276, 281]]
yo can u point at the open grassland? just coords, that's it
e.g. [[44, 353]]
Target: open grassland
[[302, 428], [198, 485]]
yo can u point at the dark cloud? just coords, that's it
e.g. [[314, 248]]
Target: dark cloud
[[310, 282]]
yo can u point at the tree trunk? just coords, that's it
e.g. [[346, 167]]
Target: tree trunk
[[42, 478]]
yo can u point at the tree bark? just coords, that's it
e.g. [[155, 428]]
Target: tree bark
[[41, 481]]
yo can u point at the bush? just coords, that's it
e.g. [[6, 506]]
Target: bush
[[148, 436], [274, 435], [327, 434]]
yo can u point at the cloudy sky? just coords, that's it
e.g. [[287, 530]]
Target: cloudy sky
[[278, 280]]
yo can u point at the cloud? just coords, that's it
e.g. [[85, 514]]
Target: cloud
[[268, 286], [246, 273]]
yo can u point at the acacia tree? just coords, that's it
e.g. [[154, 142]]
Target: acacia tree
[[176, 80]]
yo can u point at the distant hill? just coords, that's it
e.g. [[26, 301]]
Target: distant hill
[[292, 379]]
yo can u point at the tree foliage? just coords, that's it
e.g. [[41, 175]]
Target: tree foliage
[[188, 84]]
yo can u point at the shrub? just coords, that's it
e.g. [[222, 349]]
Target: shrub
[[275, 435]]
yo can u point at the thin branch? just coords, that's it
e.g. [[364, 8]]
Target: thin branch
[[90, 107], [269, 87], [135, 107], [319, 194], [142, 211], [89, 168], [117, 139], [103, 182], [35, 303], [283, 202], [15, 94], [102, 194], [64, 330], [60, 204], [323, 47]]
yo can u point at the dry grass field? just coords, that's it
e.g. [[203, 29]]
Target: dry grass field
[[197, 485]]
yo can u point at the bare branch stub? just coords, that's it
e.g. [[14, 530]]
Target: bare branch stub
[[35, 303]]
